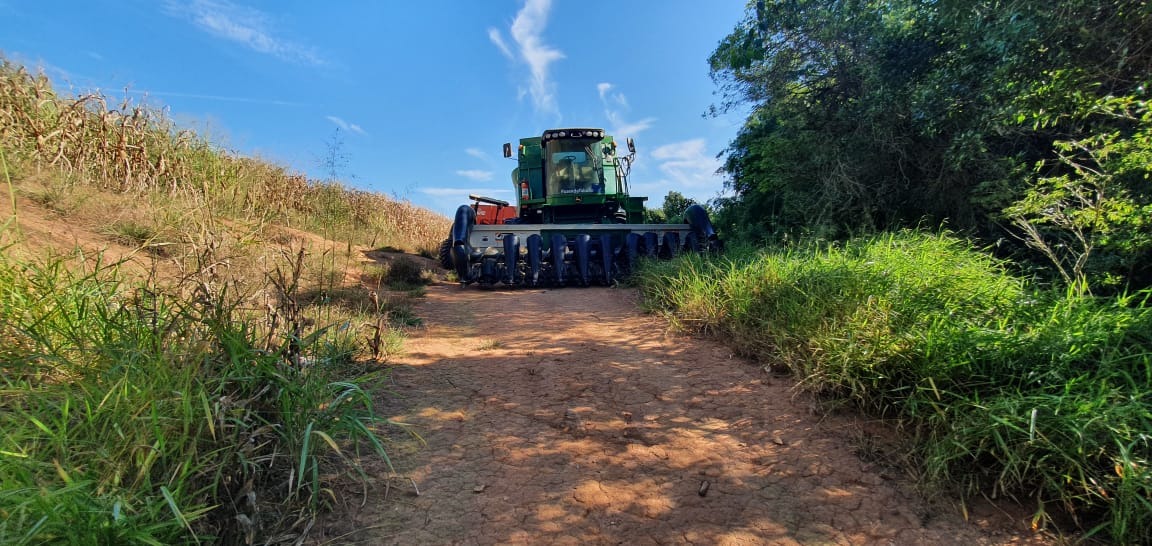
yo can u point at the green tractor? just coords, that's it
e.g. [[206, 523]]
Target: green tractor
[[574, 222]]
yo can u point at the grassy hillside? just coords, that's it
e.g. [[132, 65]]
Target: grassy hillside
[[187, 336], [73, 147]]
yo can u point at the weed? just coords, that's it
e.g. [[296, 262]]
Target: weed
[[385, 340], [417, 292], [489, 345], [402, 315], [374, 274], [57, 195]]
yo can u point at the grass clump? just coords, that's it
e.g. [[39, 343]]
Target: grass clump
[[135, 413], [1007, 390], [134, 234], [404, 272], [490, 345]]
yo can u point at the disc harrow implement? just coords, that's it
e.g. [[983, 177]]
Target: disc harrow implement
[[574, 223]]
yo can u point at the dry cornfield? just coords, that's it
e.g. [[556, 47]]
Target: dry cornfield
[[130, 148]]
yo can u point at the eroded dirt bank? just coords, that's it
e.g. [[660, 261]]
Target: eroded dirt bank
[[567, 417]]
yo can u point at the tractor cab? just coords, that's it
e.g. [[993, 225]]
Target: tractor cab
[[577, 167], [574, 176]]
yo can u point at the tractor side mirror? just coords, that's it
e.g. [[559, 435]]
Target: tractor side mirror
[[507, 149], [631, 146]]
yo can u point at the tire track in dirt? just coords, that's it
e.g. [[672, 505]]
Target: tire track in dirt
[[567, 417]]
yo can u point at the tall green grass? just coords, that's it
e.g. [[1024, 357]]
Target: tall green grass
[[139, 413], [1007, 390]]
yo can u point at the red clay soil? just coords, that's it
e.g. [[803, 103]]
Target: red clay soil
[[568, 417]]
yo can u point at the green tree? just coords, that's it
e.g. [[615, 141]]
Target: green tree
[[654, 216], [1093, 220], [675, 204]]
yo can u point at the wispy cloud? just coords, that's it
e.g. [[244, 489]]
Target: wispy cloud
[[477, 153], [222, 98], [688, 166], [494, 35], [527, 31], [244, 25], [626, 128], [615, 107], [347, 126], [475, 175], [603, 88]]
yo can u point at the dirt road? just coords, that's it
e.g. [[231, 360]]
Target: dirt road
[[567, 417]]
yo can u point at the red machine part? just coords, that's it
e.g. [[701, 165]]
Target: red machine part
[[493, 214]]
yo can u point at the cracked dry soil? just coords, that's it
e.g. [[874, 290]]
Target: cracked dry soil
[[568, 417]]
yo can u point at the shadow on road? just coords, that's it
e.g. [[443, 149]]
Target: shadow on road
[[566, 417]]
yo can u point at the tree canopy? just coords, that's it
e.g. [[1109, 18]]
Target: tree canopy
[[1016, 121]]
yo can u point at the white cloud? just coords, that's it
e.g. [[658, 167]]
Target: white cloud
[[687, 166], [476, 175], [625, 128], [477, 153], [619, 125], [527, 32], [347, 126], [244, 25]]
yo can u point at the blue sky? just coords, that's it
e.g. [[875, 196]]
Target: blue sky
[[421, 95]]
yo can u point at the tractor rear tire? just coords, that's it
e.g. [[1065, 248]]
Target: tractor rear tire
[[445, 254]]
